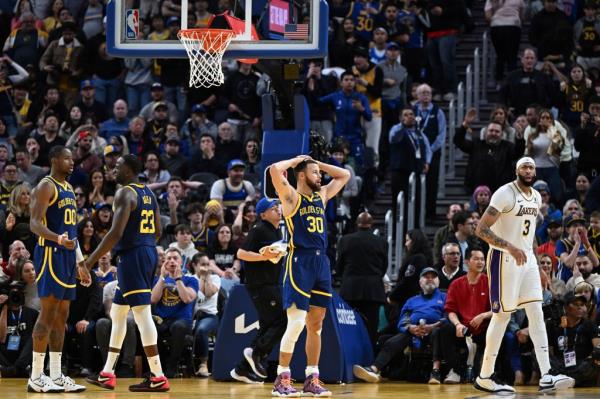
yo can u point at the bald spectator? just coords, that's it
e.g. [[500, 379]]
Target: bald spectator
[[228, 147], [527, 86], [362, 263], [119, 124]]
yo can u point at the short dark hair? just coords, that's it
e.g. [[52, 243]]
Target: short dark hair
[[23, 150], [12, 163], [595, 214], [346, 73], [207, 135], [470, 250], [301, 167], [193, 208], [183, 228], [133, 163], [459, 218], [55, 151], [175, 178]]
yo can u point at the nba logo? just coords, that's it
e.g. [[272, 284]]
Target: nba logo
[[132, 24]]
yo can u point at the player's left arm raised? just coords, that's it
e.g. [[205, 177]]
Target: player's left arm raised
[[339, 178], [124, 202]]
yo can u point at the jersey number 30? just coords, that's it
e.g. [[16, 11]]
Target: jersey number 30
[[147, 223], [316, 224]]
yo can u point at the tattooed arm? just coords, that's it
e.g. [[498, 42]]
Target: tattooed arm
[[485, 232]]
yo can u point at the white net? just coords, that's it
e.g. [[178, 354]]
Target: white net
[[205, 49]]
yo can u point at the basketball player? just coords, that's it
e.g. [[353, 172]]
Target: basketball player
[[53, 220], [307, 277], [508, 225], [133, 234]]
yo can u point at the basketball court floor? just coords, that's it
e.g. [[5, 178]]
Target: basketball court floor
[[208, 389]]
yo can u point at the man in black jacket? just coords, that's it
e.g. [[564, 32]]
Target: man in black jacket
[[317, 85], [409, 152], [262, 264], [527, 86], [362, 262], [491, 161]]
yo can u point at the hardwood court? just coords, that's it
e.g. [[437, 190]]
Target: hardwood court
[[207, 389]]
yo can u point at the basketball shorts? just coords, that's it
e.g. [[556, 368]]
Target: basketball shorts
[[55, 268], [307, 279], [135, 273], [512, 286]]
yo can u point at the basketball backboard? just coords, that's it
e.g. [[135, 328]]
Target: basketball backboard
[[286, 29]]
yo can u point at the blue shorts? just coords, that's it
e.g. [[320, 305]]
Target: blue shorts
[[135, 272], [55, 268], [307, 279]]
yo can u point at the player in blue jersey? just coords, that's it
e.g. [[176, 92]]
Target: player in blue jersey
[[53, 220], [307, 280], [133, 235]]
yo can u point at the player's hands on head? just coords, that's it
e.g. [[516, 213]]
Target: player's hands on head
[[519, 255]]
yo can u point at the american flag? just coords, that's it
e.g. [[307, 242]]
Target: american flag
[[296, 31]]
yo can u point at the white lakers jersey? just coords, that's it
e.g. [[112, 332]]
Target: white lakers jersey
[[518, 218]]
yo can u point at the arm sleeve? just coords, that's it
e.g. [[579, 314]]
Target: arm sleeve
[[503, 199]]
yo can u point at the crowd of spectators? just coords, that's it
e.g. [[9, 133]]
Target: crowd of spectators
[[383, 114]]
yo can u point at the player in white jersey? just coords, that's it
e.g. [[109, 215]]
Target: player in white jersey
[[508, 225]]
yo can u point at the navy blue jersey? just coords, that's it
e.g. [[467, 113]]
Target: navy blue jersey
[[307, 226], [140, 230], [61, 215], [363, 20]]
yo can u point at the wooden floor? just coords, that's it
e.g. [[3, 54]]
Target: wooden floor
[[205, 389]]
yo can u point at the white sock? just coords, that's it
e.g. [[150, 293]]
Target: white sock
[[111, 362], [55, 365], [537, 332], [155, 367], [281, 369], [310, 370], [37, 365], [493, 340]]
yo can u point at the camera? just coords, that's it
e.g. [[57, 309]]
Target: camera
[[15, 292], [318, 146], [553, 311]]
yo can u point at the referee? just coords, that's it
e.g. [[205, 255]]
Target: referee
[[263, 283]]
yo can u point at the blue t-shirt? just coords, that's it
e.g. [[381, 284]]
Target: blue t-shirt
[[430, 308], [564, 272], [170, 305]]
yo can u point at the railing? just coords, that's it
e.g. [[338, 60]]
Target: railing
[[422, 200], [451, 130], [469, 91], [389, 231], [412, 199], [399, 229], [484, 67]]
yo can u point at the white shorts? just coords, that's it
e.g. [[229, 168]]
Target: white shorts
[[512, 286]]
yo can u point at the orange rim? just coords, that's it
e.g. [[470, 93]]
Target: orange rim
[[203, 33]]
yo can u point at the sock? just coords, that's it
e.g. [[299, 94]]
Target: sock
[[281, 369], [37, 365], [55, 365], [155, 367], [537, 332], [111, 362], [310, 370], [493, 340]]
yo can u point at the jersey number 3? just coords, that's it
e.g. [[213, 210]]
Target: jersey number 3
[[316, 224], [527, 224], [147, 223]]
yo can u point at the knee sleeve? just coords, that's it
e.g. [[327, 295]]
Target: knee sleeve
[[296, 322], [143, 319], [118, 316]]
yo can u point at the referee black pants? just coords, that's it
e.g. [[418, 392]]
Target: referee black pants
[[271, 317]]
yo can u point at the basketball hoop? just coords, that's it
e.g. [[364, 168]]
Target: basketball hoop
[[205, 49]]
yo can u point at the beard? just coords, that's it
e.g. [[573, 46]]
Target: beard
[[526, 183], [314, 186], [428, 288]]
